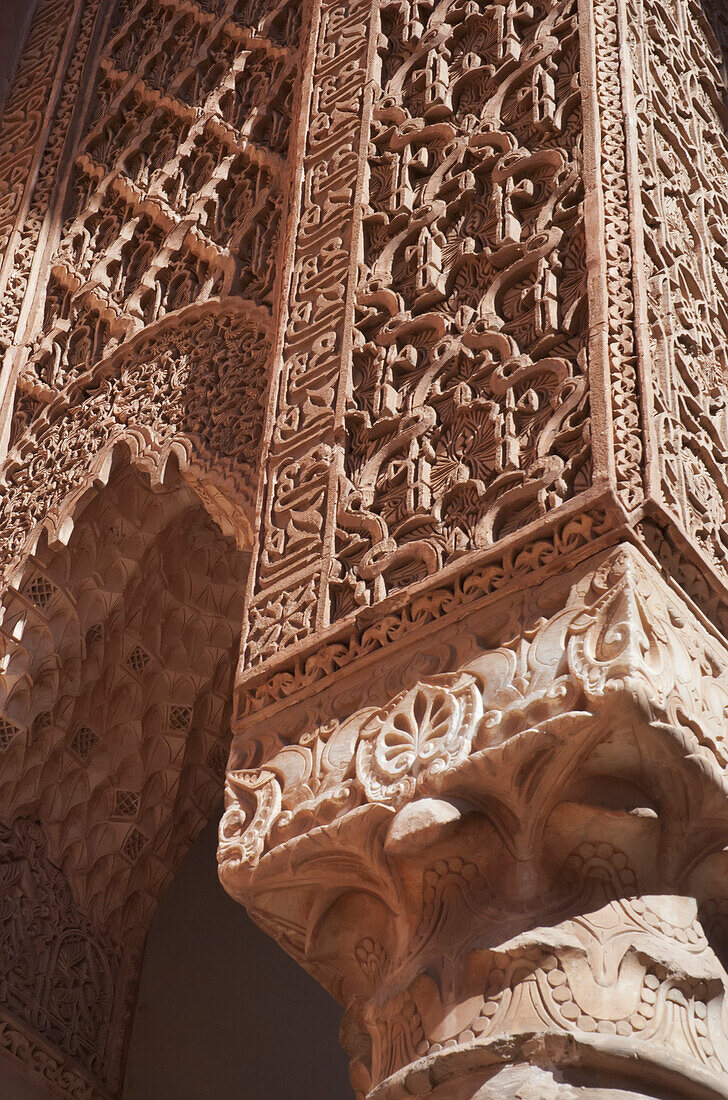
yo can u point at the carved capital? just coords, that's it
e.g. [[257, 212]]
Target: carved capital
[[505, 845]]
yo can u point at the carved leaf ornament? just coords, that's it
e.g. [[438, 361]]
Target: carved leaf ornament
[[420, 735]]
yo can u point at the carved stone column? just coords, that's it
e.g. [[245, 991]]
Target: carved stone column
[[478, 782], [425, 303], [501, 846]]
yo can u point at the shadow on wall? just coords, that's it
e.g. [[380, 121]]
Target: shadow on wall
[[222, 1010], [16, 17]]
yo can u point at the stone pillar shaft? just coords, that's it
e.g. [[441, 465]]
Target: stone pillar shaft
[[478, 779]]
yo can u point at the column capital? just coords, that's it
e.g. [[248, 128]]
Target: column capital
[[506, 844]]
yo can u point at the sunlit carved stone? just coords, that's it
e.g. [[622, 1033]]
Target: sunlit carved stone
[[515, 858], [364, 387]]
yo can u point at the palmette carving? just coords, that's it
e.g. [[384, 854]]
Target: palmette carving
[[505, 804], [423, 732]]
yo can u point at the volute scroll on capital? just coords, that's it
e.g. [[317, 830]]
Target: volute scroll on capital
[[614, 637], [532, 819]]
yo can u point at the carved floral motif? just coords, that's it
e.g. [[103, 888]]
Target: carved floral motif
[[682, 143], [423, 732], [614, 636], [507, 804]]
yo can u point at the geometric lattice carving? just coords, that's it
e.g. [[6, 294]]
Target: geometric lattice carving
[[84, 742], [126, 804], [135, 842], [180, 718], [8, 732], [39, 590], [138, 660], [94, 634]]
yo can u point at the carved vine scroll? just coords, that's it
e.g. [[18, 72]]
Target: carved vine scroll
[[433, 399]]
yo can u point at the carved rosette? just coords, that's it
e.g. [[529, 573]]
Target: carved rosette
[[503, 851]]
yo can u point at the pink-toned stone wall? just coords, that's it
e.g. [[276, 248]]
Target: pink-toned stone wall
[[362, 389]]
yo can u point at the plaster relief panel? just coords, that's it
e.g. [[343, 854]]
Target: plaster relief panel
[[467, 415], [682, 119]]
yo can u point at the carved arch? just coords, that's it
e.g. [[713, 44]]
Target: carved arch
[[193, 387], [138, 290], [119, 651]]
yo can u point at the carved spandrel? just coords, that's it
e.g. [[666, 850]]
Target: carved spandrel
[[196, 393], [177, 185]]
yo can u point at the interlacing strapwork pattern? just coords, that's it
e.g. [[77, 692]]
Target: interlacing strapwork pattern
[[452, 361], [681, 97]]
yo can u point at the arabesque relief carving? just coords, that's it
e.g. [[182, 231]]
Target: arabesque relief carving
[[363, 389], [468, 411], [683, 168], [118, 656], [174, 199], [473, 845]]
